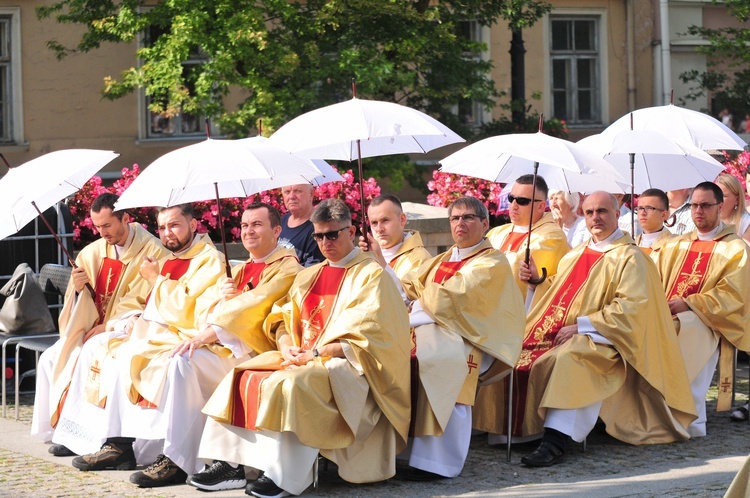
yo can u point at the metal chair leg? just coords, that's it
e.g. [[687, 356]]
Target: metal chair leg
[[315, 473], [510, 414]]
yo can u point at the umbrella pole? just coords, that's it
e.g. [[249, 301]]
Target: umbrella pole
[[543, 276], [362, 193], [223, 235], [632, 195], [62, 246]]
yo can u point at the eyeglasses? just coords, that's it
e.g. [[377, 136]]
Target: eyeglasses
[[468, 218], [329, 235], [647, 209], [703, 205], [521, 201]]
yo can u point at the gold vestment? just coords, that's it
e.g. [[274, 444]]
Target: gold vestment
[[548, 245]]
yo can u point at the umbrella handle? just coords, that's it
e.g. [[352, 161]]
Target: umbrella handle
[[542, 278]]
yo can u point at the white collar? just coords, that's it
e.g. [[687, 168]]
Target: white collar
[[459, 254], [710, 235], [603, 245], [345, 260]]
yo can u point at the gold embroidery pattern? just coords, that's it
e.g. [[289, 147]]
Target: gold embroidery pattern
[[554, 319], [690, 279], [311, 327]]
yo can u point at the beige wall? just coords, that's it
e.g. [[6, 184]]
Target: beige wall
[[62, 101], [614, 60]]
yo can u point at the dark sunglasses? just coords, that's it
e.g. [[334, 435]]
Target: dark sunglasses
[[521, 201], [329, 235]]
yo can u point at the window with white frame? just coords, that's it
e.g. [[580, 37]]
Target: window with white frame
[[575, 69], [182, 125], [11, 118], [471, 111]]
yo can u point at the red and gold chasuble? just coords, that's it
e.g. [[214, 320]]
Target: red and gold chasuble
[[543, 333], [444, 272], [693, 271], [513, 242], [106, 284], [315, 314], [173, 269]]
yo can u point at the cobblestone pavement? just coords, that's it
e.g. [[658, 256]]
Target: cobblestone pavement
[[702, 467]]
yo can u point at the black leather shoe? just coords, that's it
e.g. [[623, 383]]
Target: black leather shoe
[[420, 475], [546, 455], [60, 450]]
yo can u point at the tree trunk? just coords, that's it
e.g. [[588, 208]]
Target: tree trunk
[[518, 77]]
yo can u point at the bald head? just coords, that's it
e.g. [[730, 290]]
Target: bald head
[[601, 211]]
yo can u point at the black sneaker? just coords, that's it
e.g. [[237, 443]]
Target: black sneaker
[[60, 450], [220, 475], [110, 456], [163, 472], [265, 488]]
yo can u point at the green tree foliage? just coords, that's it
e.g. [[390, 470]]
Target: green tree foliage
[[289, 56], [727, 46]]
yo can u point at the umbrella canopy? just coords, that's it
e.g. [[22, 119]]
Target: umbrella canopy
[[30, 189], [563, 164], [194, 173], [214, 169], [659, 162], [33, 187], [684, 126], [362, 128], [653, 161]]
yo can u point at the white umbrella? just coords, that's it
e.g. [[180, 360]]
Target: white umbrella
[[563, 164], [506, 157], [215, 169], [327, 174], [362, 128], [653, 160], [28, 190], [681, 125]]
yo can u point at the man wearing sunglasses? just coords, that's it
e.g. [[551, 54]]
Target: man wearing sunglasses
[[396, 249], [548, 241], [467, 314], [600, 344], [706, 278], [339, 384], [652, 211]]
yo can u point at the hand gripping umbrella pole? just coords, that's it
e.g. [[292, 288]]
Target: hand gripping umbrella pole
[[543, 277], [527, 258]]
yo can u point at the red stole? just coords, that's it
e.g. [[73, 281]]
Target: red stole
[[249, 276], [693, 271], [173, 269], [513, 241], [106, 284], [646, 250], [315, 314], [542, 334]]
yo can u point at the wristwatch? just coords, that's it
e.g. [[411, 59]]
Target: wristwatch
[[315, 353]]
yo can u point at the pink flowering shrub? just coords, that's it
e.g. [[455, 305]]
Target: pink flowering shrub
[[447, 187], [206, 212], [737, 165]]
